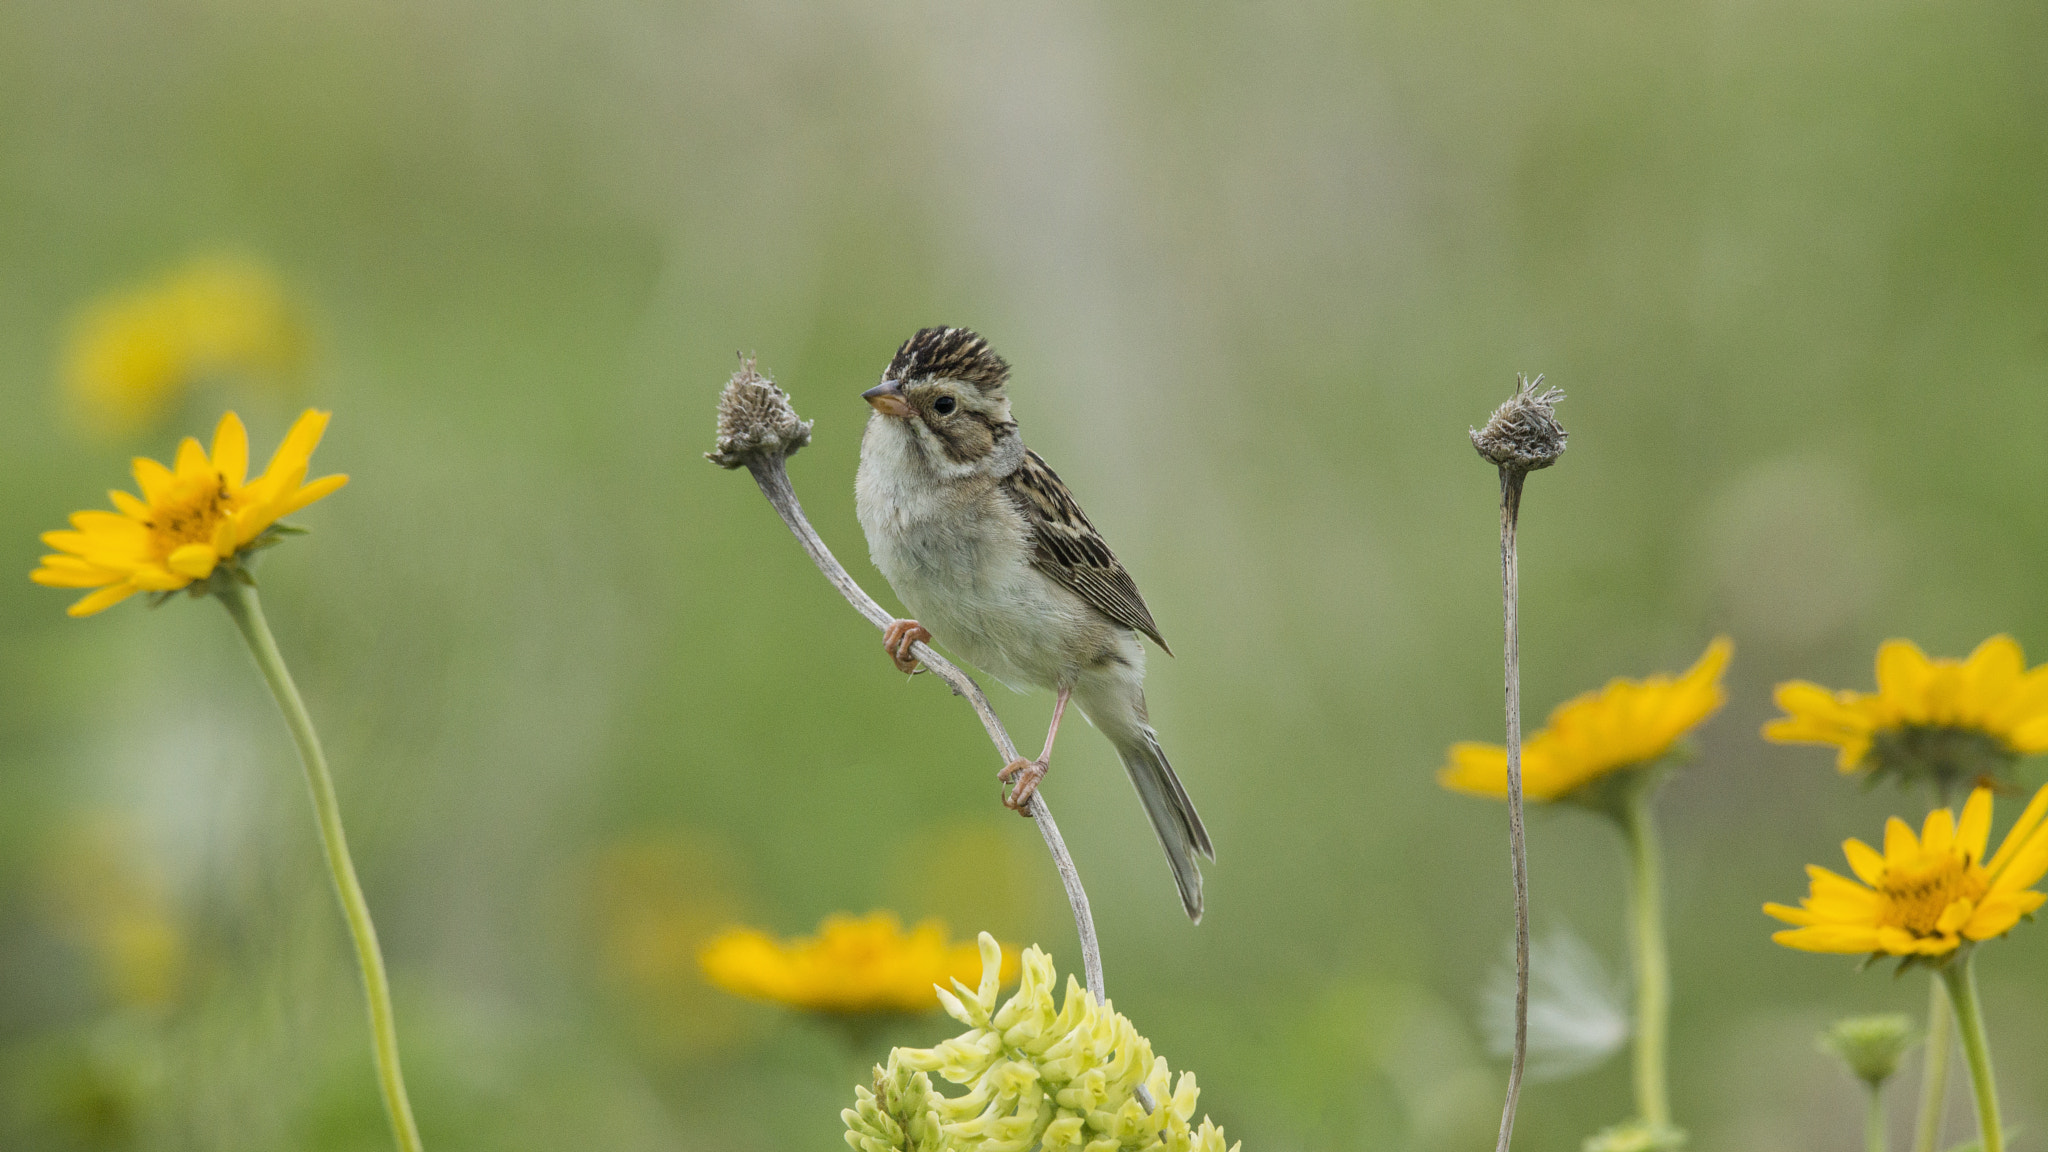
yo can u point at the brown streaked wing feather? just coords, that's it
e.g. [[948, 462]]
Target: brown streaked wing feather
[[1066, 547]]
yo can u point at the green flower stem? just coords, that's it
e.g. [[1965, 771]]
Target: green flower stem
[[1652, 968], [1934, 1072], [1961, 979], [247, 612], [1874, 1122]]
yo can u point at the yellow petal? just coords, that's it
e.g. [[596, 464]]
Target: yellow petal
[[1845, 909], [115, 556], [1936, 945], [1476, 769], [108, 524], [1897, 941], [2022, 829], [1544, 778], [193, 560], [248, 524], [2028, 700], [2027, 864], [71, 572], [2028, 737], [1864, 861], [268, 492], [153, 478], [1941, 698], [1850, 758], [63, 541], [157, 578], [231, 450], [1841, 938], [1698, 693], [322, 488], [1991, 673], [1900, 846], [1804, 698], [101, 600], [1974, 831], [191, 463], [1954, 917], [130, 507], [70, 563], [1902, 672], [1938, 834], [1789, 915], [1999, 912], [297, 449]]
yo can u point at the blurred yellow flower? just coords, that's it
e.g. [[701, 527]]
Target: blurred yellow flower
[[189, 520], [656, 899], [130, 354], [1925, 895], [853, 965], [103, 899], [1625, 725], [1954, 720]]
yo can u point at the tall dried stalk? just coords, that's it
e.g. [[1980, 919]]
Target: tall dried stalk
[[1522, 436]]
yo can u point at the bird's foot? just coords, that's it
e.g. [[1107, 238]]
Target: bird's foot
[[1027, 774], [897, 639]]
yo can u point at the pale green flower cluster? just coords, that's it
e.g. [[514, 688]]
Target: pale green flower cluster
[[1062, 1080]]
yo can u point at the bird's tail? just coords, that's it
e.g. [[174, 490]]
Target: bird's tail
[[1172, 813]]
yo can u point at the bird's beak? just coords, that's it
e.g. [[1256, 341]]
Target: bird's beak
[[887, 397]]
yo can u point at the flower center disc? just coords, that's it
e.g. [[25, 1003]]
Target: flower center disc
[[188, 515], [1915, 895]]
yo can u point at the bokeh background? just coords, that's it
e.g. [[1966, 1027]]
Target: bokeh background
[[1259, 267]]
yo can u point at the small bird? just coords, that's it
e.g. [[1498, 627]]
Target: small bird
[[982, 541]]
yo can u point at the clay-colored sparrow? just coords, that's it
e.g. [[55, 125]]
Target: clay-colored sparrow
[[990, 551]]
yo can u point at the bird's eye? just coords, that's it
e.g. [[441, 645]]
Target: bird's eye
[[944, 405]]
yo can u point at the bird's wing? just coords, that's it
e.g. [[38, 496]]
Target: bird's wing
[[1066, 547]]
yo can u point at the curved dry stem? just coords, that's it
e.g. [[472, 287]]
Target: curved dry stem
[[773, 477]]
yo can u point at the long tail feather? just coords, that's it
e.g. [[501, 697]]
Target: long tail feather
[[1172, 813]]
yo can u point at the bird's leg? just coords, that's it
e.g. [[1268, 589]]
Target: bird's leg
[[1028, 773], [897, 639]]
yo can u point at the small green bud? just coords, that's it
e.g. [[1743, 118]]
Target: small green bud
[[1636, 1136], [1869, 1045]]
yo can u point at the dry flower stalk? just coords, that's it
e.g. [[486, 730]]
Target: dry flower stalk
[[1522, 436]]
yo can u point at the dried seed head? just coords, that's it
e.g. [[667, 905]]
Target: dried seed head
[[755, 420], [1523, 434]]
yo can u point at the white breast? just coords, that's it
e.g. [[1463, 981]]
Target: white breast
[[957, 554]]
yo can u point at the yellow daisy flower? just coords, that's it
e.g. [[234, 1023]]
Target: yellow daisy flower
[[130, 354], [1950, 719], [1925, 895], [192, 518], [853, 965], [1625, 725]]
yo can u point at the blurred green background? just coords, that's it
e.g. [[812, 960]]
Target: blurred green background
[[1258, 267]]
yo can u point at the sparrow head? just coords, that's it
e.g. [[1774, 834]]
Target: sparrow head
[[946, 389]]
